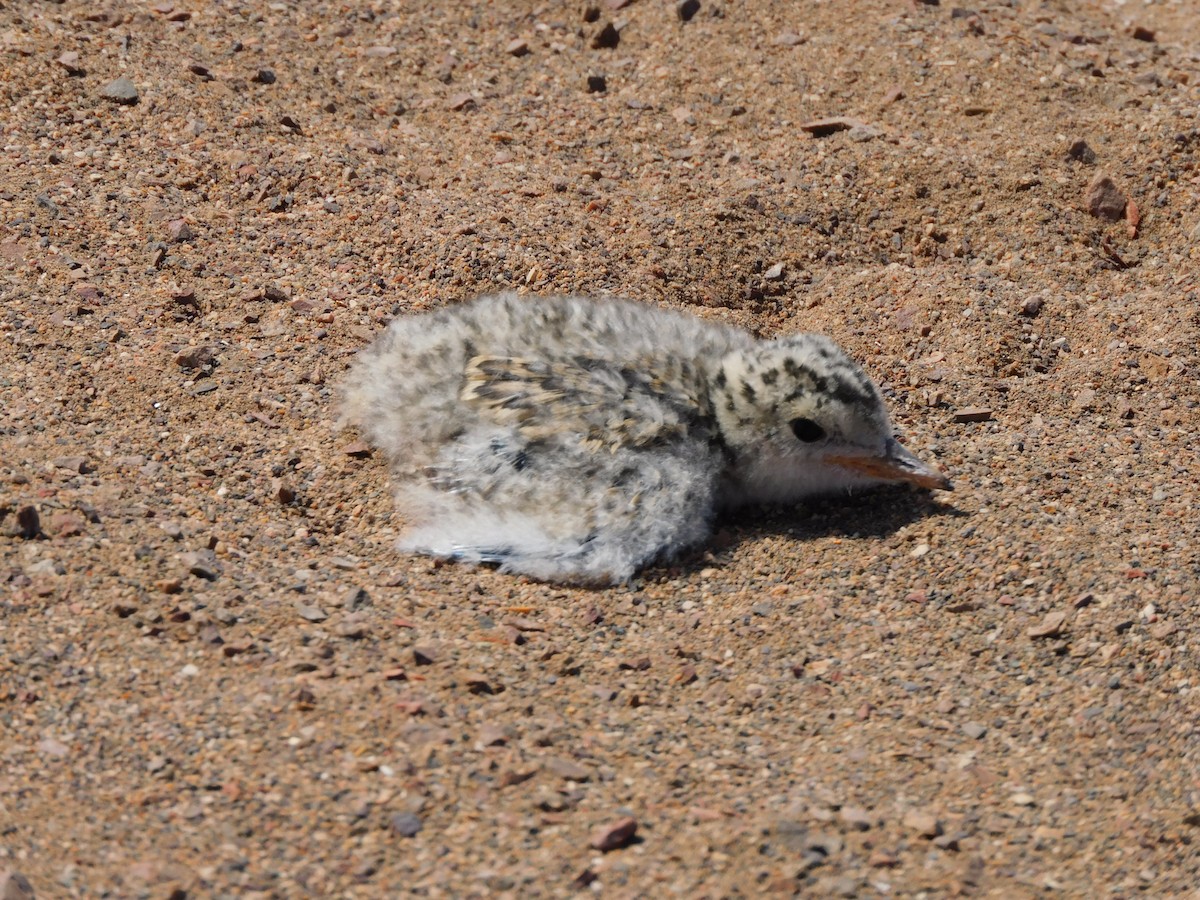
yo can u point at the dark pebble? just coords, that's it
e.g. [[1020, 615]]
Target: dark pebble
[[607, 38], [1081, 152], [425, 655], [406, 824], [29, 522], [973, 414]]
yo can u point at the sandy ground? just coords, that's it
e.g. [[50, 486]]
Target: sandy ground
[[219, 679]]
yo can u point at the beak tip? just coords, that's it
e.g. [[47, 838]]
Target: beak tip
[[897, 465], [931, 481]]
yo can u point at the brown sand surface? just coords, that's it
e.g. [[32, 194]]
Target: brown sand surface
[[219, 679]]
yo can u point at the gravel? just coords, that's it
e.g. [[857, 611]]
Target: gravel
[[888, 694]]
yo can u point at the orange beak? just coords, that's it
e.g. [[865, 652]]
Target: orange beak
[[896, 464]]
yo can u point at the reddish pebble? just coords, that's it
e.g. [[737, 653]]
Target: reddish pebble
[[614, 835], [66, 524], [1104, 199], [179, 231]]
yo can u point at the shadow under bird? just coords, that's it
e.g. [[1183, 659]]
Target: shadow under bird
[[576, 440]]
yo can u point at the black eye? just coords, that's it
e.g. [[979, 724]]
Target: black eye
[[807, 430]]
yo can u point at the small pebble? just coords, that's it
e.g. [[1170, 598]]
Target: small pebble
[[477, 683], [425, 654], [406, 824], [923, 823], [179, 231], [1104, 199], [947, 841], [1031, 307], [1081, 152], [352, 629], [607, 38], [73, 463], [122, 91], [492, 735], [826, 127], [1051, 626], [614, 835], [567, 769], [974, 730], [194, 357], [856, 817], [70, 62], [973, 414], [202, 564], [862, 133], [283, 491], [29, 523]]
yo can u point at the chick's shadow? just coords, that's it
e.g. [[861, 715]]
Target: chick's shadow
[[865, 514]]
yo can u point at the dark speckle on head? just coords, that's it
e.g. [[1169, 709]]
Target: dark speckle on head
[[845, 385], [748, 392], [770, 376], [854, 394]]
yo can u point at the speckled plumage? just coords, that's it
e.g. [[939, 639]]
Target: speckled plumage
[[577, 440]]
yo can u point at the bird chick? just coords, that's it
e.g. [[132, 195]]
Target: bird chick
[[577, 440]]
